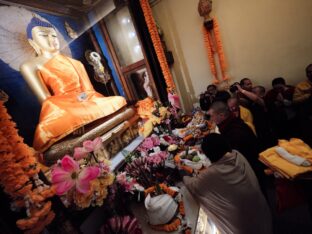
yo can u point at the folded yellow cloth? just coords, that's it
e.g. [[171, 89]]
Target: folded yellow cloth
[[295, 146]]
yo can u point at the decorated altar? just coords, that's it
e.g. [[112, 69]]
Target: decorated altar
[[95, 158], [148, 166]]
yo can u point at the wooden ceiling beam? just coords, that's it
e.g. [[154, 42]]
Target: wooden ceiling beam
[[46, 6]]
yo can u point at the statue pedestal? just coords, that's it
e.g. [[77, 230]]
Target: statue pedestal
[[116, 131]]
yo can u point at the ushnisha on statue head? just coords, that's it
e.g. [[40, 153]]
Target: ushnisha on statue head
[[42, 36]]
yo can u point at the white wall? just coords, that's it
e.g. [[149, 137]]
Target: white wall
[[262, 39]]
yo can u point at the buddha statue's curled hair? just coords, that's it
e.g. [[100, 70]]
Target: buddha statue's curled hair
[[35, 21]]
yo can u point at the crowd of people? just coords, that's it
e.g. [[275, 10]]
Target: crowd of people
[[280, 113], [250, 120]]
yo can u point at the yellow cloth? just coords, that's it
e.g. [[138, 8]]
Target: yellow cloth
[[287, 169], [302, 92], [297, 147], [247, 117], [74, 102]]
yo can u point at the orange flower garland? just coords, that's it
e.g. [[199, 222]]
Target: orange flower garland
[[210, 52], [151, 25], [209, 44], [19, 177], [220, 51], [176, 222]]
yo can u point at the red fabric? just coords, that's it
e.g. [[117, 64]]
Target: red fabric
[[288, 194]]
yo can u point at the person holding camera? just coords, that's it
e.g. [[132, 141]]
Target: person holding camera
[[207, 98], [252, 98], [212, 95], [243, 91]]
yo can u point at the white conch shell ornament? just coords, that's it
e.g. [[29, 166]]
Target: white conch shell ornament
[[160, 209], [94, 59]]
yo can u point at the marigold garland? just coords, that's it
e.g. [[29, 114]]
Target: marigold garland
[[176, 222], [151, 25], [220, 51], [210, 45], [19, 177], [210, 52]]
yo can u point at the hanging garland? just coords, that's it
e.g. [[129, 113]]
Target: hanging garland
[[213, 44], [151, 25], [209, 47], [19, 178]]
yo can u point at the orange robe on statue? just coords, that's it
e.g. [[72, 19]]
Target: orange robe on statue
[[74, 102]]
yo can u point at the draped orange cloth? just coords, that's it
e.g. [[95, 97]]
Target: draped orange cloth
[[74, 102]]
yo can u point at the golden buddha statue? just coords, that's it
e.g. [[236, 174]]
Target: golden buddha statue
[[63, 87]]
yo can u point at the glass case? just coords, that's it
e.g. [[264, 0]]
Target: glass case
[[123, 36], [128, 55]]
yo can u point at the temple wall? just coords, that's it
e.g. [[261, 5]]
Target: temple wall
[[262, 40]]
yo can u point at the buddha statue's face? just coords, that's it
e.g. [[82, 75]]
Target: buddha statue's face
[[44, 39]]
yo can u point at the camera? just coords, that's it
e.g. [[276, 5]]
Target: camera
[[233, 87]]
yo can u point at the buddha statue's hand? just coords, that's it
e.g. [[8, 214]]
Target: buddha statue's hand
[[82, 97]]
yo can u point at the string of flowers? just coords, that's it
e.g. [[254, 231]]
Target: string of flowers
[[215, 46], [210, 52], [19, 178], [152, 28], [219, 45]]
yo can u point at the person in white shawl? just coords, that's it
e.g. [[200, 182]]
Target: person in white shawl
[[229, 192]]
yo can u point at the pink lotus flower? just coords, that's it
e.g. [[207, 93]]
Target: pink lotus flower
[[80, 153], [174, 100], [68, 174], [92, 145], [88, 146]]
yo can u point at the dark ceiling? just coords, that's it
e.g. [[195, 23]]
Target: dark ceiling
[[71, 8]]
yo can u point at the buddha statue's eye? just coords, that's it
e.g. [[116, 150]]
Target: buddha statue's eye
[[53, 35], [43, 34]]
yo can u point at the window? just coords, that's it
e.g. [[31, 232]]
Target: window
[[128, 55]]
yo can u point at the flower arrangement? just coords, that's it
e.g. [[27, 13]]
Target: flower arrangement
[[128, 184], [153, 114], [82, 180], [157, 158], [148, 145], [19, 178], [179, 220]]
